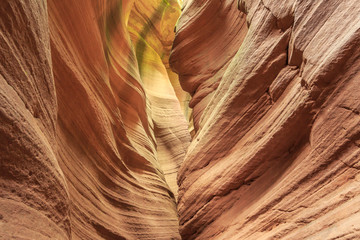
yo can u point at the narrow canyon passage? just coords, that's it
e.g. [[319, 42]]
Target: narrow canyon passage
[[170, 119], [94, 124]]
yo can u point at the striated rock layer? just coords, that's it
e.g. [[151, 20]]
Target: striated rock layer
[[92, 126], [276, 97], [89, 147]]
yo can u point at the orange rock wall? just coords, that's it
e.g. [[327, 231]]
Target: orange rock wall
[[93, 132], [87, 151], [276, 97]]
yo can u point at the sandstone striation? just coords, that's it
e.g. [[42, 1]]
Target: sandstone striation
[[276, 108], [249, 129], [91, 130]]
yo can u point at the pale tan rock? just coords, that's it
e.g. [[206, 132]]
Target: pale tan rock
[[200, 55]]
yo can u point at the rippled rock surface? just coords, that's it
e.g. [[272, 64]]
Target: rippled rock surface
[[248, 130], [91, 130], [276, 97]]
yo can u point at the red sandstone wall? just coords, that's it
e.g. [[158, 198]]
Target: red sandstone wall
[[81, 156], [276, 153], [92, 132]]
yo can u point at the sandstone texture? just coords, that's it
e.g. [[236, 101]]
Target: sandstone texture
[[241, 123], [276, 97], [91, 130]]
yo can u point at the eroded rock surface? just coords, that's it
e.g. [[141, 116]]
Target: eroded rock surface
[[86, 148], [92, 126], [276, 108]]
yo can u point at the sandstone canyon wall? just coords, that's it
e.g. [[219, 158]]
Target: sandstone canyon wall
[[276, 98], [91, 131], [95, 125]]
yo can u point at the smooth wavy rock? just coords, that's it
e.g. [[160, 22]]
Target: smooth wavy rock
[[91, 130], [151, 30], [276, 106]]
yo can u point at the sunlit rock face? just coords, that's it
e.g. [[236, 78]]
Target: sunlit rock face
[[91, 129], [276, 97], [151, 28]]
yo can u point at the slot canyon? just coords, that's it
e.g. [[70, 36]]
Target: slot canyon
[[180, 119]]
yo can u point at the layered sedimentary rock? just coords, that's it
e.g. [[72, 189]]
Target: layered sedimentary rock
[[94, 124], [87, 150], [276, 102], [151, 30]]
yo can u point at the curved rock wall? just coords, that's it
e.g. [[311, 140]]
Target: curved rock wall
[[276, 107], [209, 33], [87, 151], [92, 126], [151, 30], [34, 194]]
